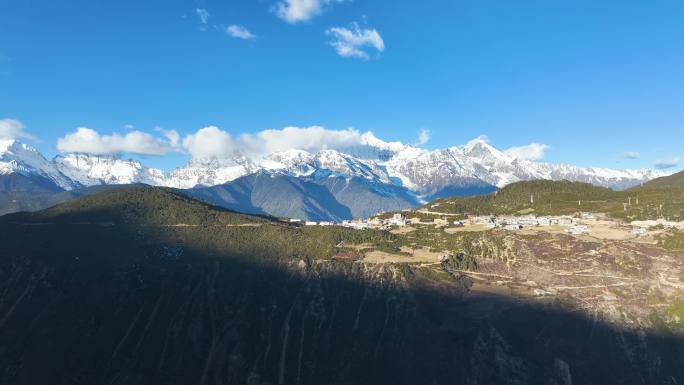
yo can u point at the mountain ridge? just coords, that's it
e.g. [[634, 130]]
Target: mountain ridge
[[421, 171], [357, 181]]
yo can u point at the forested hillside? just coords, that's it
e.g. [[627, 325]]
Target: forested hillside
[[557, 198]]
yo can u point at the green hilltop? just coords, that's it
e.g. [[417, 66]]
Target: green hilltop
[[173, 218], [140, 204], [674, 180], [545, 197]]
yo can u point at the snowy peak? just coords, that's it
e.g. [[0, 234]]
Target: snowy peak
[[92, 170], [26, 160], [298, 162], [209, 172], [330, 162], [18, 155], [479, 149], [423, 172]]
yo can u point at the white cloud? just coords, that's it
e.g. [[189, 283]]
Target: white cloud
[[89, 141], [239, 32], [210, 142], [354, 41], [663, 164], [171, 135], [312, 138], [423, 136], [295, 11], [13, 129], [213, 142], [203, 14], [631, 155], [532, 151]]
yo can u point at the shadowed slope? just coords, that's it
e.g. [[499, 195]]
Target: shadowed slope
[[277, 195], [16, 182], [136, 301]]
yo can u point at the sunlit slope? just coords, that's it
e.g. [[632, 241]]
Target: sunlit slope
[[674, 180], [561, 198]]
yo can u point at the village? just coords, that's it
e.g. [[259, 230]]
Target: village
[[579, 224]]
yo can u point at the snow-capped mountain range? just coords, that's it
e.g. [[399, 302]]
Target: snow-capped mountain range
[[426, 173]]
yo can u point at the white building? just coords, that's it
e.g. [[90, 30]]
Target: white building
[[579, 230], [396, 220]]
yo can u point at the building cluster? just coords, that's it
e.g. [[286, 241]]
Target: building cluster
[[355, 223], [522, 221], [312, 223], [574, 225], [396, 220]]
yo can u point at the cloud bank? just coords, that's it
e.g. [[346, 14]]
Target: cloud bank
[[89, 141], [211, 141]]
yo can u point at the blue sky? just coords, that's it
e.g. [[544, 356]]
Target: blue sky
[[593, 80]]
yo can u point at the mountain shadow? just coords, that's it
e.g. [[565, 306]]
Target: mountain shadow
[[153, 288], [366, 198], [17, 200], [16, 182], [462, 191], [275, 194]]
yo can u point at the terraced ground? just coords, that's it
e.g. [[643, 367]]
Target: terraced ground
[[639, 279]]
